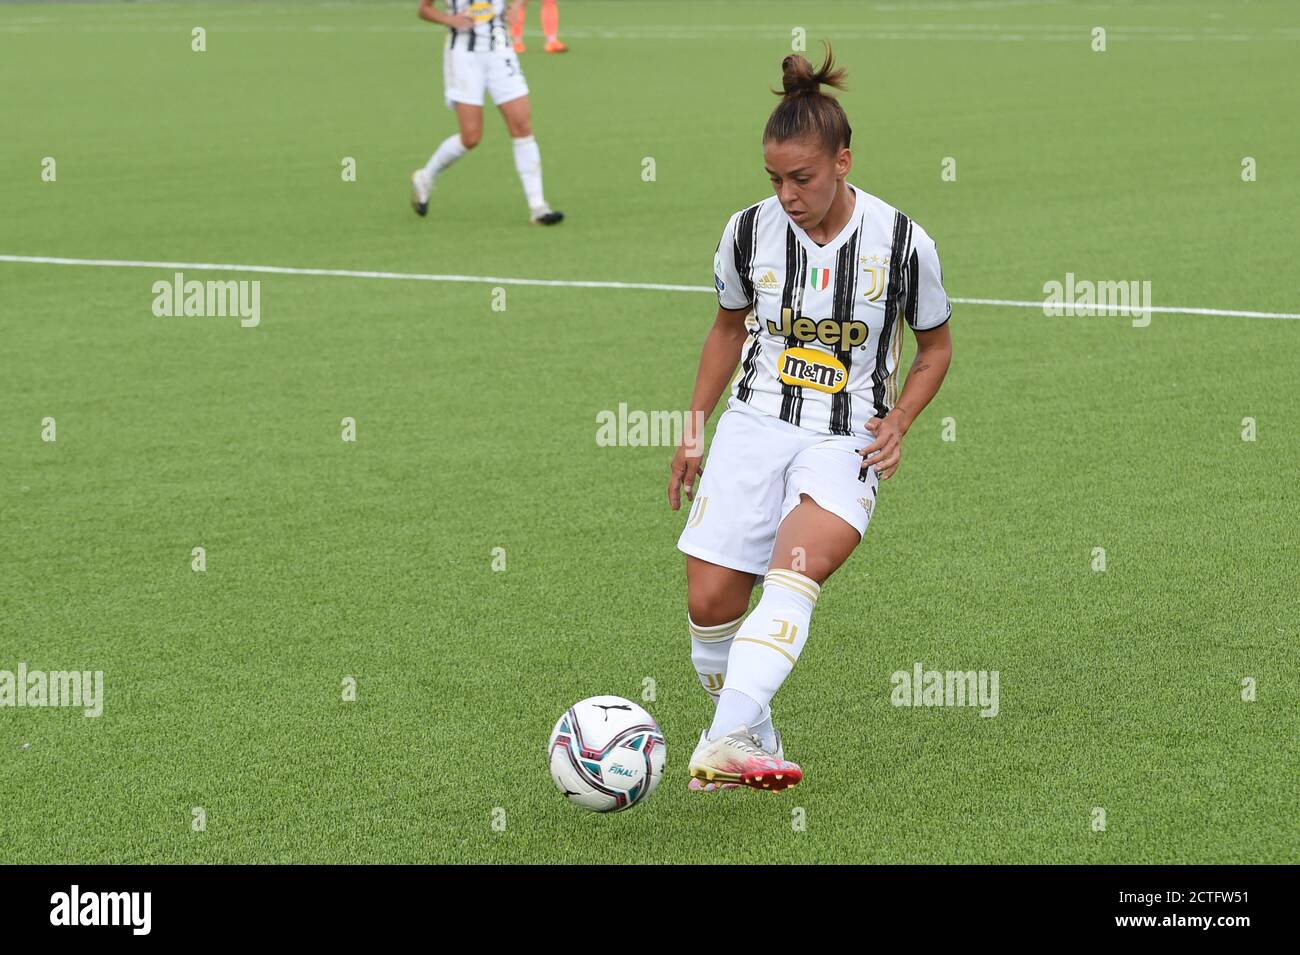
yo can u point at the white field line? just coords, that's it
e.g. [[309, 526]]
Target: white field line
[[554, 283], [1162, 309], [349, 273], [1115, 34]]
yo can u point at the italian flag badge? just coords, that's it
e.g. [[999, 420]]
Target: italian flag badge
[[819, 279]]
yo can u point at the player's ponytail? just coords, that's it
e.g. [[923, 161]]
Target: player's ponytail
[[805, 112]]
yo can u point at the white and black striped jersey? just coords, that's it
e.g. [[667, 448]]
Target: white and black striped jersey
[[489, 31], [826, 330]]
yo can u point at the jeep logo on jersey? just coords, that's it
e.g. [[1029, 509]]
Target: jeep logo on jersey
[[480, 11], [827, 331], [807, 368]]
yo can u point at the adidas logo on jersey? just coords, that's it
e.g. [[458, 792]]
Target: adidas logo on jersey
[[768, 281]]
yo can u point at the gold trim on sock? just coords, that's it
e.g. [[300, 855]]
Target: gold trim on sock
[[795, 576], [766, 644], [794, 582], [716, 633]]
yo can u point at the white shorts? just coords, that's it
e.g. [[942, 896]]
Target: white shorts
[[467, 73], [757, 467]]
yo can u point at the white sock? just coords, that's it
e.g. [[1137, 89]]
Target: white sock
[[709, 649], [734, 709], [528, 162], [770, 640], [763, 729], [446, 154]]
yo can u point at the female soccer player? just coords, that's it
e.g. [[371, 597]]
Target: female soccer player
[[550, 25], [477, 56], [814, 286]]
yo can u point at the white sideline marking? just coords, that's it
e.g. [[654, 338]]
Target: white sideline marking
[[1163, 309], [350, 273], [555, 283]]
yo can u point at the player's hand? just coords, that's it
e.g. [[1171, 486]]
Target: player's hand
[[683, 472], [460, 21], [883, 453]]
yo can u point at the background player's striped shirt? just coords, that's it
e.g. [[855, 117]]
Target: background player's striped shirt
[[489, 31], [826, 333]]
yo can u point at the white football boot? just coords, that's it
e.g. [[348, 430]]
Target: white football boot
[[738, 759], [699, 786]]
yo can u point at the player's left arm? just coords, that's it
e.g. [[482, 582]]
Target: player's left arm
[[933, 355], [927, 312]]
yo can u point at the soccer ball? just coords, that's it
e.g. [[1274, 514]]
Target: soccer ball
[[606, 754]]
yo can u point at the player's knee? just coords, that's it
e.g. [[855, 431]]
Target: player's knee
[[713, 606], [469, 138]]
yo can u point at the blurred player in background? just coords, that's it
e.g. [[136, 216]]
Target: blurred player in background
[[815, 286], [550, 25], [477, 58]]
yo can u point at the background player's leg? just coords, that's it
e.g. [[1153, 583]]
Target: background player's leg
[[551, 27], [716, 600], [771, 638], [518, 14], [449, 150], [518, 115], [470, 119]]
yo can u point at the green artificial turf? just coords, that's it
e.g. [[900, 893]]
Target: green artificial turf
[[476, 430]]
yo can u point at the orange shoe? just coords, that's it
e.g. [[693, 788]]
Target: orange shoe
[[555, 46], [519, 46]]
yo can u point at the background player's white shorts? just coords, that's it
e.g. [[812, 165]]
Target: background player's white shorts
[[467, 73], [757, 467]]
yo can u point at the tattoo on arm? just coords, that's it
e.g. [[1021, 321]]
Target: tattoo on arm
[[919, 366]]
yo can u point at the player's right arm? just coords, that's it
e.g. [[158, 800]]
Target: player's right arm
[[431, 13], [718, 362]]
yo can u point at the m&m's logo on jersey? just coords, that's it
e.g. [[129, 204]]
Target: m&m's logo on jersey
[[819, 279], [809, 368]]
